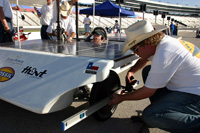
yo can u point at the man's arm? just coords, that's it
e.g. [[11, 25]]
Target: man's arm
[[3, 20], [37, 11], [139, 65], [72, 1], [71, 37], [15, 8], [87, 39], [51, 34], [139, 94]]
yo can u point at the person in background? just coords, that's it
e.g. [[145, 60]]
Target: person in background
[[99, 35], [116, 27], [172, 28], [171, 81], [67, 23], [167, 30], [45, 14], [98, 40], [87, 23], [176, 29], [197, 33], [6, 25], [71, 2]]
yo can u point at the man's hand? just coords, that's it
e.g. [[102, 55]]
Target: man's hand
[[37, 11], [130, 76], [7, 29], [138, 94], [3, 20], [15, 8], [35, 8], [69, 39], [72, 1], [66, 33], [116, 99]]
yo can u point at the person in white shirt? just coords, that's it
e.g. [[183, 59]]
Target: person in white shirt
[[6, 25], [46, 13], [116, 27], [67, 23], [171, 82], [87, 23], [71, 2]]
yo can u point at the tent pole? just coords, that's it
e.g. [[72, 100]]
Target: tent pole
[[58, 19], [77, 29], [120, 20], [18, 35], [120, 24], [93, 12]]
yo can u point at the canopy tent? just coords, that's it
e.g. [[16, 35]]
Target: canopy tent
[[107, 9]]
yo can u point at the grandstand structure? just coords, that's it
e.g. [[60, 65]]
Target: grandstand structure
[[171, 9], [187, 15]]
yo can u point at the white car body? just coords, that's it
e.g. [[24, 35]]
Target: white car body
[[43, 77]]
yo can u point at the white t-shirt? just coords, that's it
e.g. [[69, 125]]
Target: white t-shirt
[[176, 65], [7, 9], [67, 24], [86, 21], [46, 14], [116, 25]]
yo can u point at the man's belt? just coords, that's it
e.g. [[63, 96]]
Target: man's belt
[[8, 18]]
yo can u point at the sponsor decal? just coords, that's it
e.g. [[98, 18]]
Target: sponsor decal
[[91, 68], [6, 73], [82, 115], [33, 72], [191, 48], [14, 61]]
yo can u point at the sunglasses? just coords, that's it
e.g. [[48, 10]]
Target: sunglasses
[[135, 49]]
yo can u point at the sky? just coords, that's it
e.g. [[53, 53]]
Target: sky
[[182, 2]]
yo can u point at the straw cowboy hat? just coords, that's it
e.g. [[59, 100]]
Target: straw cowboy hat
[[140, 31], [65, 8]]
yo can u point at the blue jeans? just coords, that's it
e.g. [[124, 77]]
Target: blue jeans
[[172, 32], [87, 28], [43, 32], [173, 111]]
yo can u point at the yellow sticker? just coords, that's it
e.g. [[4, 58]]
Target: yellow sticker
[[191, 48], [6, 73]]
